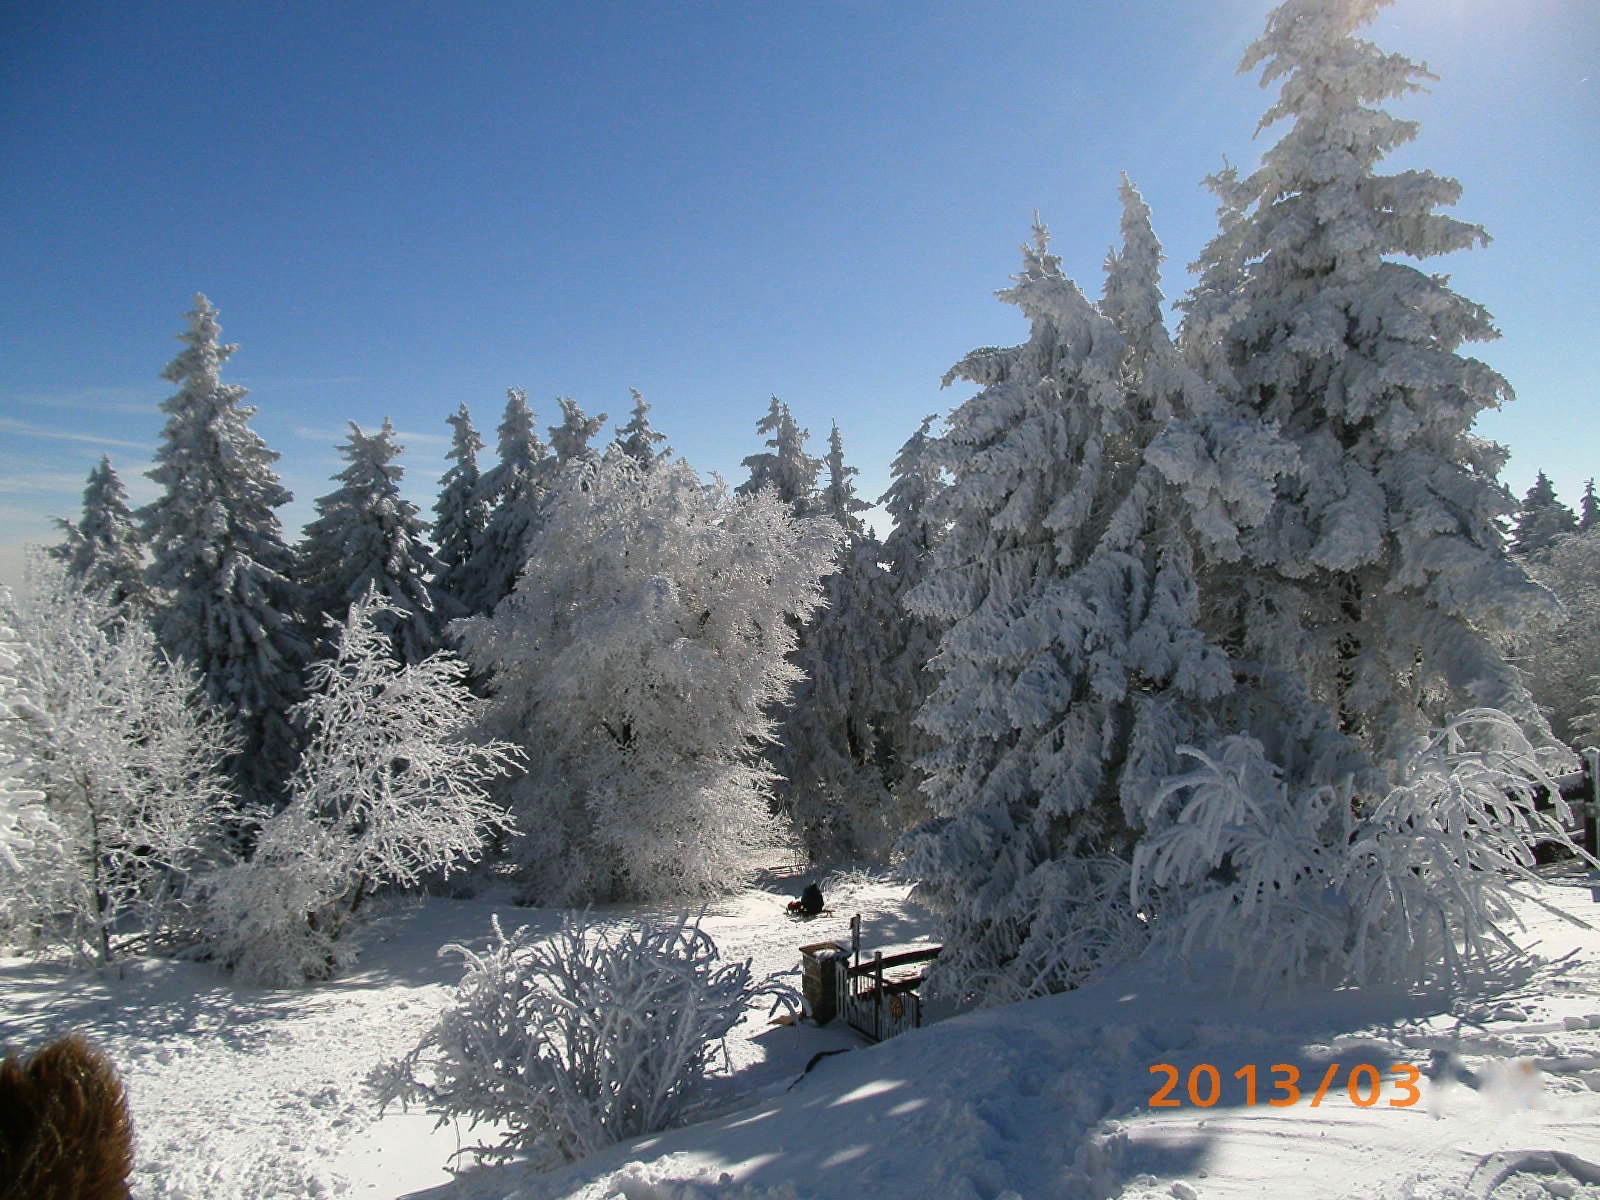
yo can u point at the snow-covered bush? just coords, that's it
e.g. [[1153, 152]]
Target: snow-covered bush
[[636, 663], [1432, 869], [1237, 860], [1288, 886], [126, 759], [572, 1042], [389, 788]]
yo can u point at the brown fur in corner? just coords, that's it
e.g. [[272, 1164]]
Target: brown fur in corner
[[64, 1127]]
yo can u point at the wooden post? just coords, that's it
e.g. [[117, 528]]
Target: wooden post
[[822, 965], [1591, 819], [877, 995]]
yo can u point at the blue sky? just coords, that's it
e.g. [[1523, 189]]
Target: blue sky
[[402, 207]]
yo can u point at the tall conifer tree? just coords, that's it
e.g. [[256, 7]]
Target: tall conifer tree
[[1380, 577], [368, 539], [903, 680], [833, 761], [638, 439], [460, 512], [1541, 518], [103, 551], [227, 603], [786, 467], [1075, 660], [570, 439], [513, 491]]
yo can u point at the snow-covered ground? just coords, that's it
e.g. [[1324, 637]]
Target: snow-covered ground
[[242, 1092]]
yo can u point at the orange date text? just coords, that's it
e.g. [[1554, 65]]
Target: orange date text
[[1282, 1085]]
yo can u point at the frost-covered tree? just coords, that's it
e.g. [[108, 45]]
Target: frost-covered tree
[[834, 765], [833, 758], [639, 439], [636, 664], [103, 550], [368, 538], [786, 468], [903, 680], [460, 513], [1589, 513], [1541, 518], [27, 834], [838, 500], [1380, 578], [513, 490], [392, 786], [223, 577], [127, 759], [1076, 660], [1561, 659], [570, 439]]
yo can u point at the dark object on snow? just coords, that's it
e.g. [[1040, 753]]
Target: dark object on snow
[[810, 902], [815, 1059], [64, 1127]]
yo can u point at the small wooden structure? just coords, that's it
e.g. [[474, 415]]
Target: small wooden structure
[[878, 997]]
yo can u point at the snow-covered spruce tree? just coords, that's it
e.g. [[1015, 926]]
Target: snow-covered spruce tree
[[1589, 513], [1560, 660], [128, 758], [834, 766], [368, 538], [838, 500], [1355, 827], [1075, 662], [636, 663], [1541, 518], [570, 439], [221, 573], [787, 467], [513, 491], [903, 680], [1380, 578], [460, 513], [392, 787], [639, 439], [103, 550]]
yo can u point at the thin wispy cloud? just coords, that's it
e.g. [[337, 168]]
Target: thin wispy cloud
[[254, 382], [14, 482], [126, 400], [409, 439], [28, 429]]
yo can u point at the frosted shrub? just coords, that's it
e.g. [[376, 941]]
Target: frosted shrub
[[272, 918], [579, 1040], [389, 789], [1237, 861], [1415, 887], [1432, 870]]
